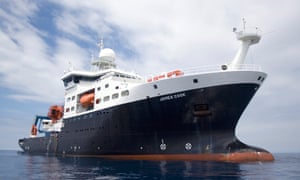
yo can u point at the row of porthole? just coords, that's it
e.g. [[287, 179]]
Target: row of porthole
[[81, 117], [113, 96], [106, 86], [89, 129], [86, 129]]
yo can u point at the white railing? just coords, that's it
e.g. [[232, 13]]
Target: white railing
[[220, 68], [203, 70]]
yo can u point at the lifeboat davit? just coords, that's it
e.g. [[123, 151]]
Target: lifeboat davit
[[55, 113], [87, 100]]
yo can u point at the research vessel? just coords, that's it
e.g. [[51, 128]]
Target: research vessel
[[178, 115]]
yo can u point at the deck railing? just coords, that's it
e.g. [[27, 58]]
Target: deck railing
[[203, 70], [219, 68]]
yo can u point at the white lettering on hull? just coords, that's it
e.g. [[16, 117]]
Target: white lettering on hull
[[171, 97]]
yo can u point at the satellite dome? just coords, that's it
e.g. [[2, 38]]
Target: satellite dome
[[107, 54]]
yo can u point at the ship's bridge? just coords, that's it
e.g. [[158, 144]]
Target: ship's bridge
[[77, 77]]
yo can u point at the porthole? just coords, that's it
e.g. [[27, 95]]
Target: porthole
[[195, 81], [155, 86], [224, 67], [98, 101]]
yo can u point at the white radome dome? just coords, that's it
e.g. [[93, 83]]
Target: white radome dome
[[107, 54]]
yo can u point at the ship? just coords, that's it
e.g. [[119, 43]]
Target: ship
[[177, 115]]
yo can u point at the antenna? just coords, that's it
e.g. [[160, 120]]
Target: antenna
[[101, 43], [244, 24]]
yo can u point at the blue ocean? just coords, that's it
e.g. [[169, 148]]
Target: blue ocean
[[16, 165]]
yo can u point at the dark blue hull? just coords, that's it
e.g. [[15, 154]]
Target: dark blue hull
[[200, 121]]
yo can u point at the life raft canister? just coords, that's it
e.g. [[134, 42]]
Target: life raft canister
[[168, 75]]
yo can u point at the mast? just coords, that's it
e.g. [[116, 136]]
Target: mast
[[247, 39]]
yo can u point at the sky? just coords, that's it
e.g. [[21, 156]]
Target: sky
[[40, 39]]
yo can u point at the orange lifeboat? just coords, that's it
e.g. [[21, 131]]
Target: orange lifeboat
[[87, 100], [55, 113]]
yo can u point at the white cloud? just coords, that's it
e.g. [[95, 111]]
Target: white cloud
[[27, 64]]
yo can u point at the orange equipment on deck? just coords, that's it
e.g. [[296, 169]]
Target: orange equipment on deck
[[176, 73], [168, 75], [55, 113], [33, 130], [87, 100]]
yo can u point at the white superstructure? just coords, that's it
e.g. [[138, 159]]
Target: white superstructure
[[87, 91]]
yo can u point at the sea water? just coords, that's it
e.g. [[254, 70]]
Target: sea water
[[15, 165]]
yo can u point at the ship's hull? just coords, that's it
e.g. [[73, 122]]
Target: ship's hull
[[196, 124]]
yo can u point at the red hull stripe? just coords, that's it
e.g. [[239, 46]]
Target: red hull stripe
[[228, 157]]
